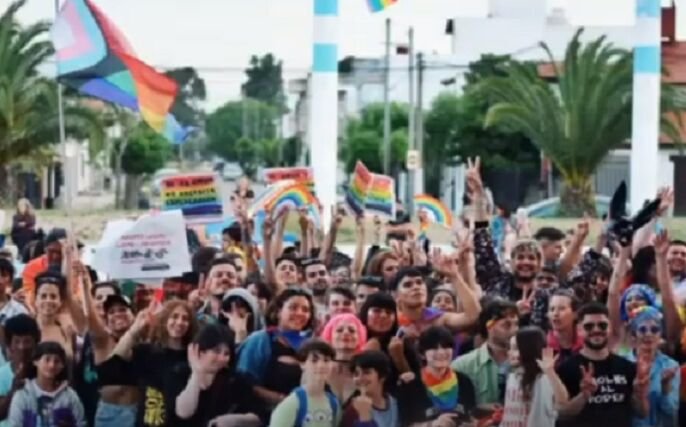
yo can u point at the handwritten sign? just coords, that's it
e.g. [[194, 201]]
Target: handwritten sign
[[152, 247], [299, 175], [197, 196]]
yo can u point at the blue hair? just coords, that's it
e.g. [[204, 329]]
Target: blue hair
[[644, 291], [645, 314]]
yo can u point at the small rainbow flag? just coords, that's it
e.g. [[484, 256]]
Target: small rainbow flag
[[370, 192], [379, 5], [432, 210], [294, 196], [381, 196]]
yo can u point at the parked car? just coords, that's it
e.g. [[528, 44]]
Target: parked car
[[231, 171], [156, 187]]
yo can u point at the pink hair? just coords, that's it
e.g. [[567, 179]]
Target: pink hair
[[331, 325]]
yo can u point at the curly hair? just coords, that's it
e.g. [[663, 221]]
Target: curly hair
[[160, 335]]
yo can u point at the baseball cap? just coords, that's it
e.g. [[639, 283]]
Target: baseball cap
[[115, 299]]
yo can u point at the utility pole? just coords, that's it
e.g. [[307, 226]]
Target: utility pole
[[419, 125], [387, 103], [411, 119], [66, 179]]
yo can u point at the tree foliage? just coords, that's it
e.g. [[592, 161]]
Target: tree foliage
[[191, 91], [237, 119], [578, 122], [28, 101], [364, 138], [146, 151], [265, 82]]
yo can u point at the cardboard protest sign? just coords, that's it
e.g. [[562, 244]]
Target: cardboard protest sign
[[300, 175], [151, 247], [198, 196]]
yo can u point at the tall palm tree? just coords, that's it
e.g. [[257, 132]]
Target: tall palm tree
[[579, 120], [28, 101]]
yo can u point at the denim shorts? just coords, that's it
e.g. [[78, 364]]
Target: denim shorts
[[108, 415]]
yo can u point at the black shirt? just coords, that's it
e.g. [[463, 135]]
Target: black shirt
[[611, 403]]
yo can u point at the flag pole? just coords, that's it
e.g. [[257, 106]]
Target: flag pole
[[66, 196]]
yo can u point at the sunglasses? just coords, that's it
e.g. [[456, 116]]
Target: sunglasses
[[588, 327], [644, 330]]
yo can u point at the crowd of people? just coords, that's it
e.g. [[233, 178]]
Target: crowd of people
[[506, 329]]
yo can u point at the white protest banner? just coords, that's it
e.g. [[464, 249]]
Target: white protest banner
[[152, 247]]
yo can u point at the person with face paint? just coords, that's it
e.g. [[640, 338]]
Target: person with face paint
[[663, 395], [487, 366], [411, 294], [268, 357], [438, 396], [46, 399], [605, 389], [347, 335], [215, 394]]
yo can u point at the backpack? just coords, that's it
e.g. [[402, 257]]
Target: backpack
[[301, 395]]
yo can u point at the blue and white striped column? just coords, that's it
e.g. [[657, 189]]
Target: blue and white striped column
[[323, 123], [645, 133]]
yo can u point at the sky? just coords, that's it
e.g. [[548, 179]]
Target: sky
[[217, 37]]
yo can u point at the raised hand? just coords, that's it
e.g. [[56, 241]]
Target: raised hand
[[666, 196], [588, 384], [642, 380], [547, 361], [524, 304], [363, 406], [268, 226], [302, 218], [661, 243], [583, 228], [195, 360], [474, 184], [237, 321], [447, 265], [666, 380]]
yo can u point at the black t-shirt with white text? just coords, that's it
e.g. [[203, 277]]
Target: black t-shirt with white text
[[611, 403]]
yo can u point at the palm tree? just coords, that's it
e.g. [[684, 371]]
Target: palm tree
[[28, 101], [578, 121]]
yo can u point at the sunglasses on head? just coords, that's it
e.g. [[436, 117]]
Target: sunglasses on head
[[645, 329], [588, 327]]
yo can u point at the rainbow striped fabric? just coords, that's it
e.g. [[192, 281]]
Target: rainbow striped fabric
[[443, 391], [379, 5], [95, 58], [370, 192]]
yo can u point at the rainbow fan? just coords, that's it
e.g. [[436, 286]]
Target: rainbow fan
[[433, 210]]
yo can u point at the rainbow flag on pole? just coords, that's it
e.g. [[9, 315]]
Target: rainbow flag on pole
[[95, 58], [379, 5]]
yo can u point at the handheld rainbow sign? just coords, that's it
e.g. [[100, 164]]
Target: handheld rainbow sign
[[356, 193], [379, 5], [435, 210], [294, 196], [196, 195]]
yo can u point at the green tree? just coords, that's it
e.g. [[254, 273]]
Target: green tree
[[364, 138], [270, 152], [247, 154], [28, 101], [265, 82], [230, 122], [145, 153], [580, 120], [191, 91]]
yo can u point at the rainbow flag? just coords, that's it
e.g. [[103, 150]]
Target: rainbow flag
[[197, 196], [430, 209], [95, 58], [379, 5], [370, 192]]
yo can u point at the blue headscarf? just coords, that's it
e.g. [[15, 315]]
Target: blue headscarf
[[644, 291], [644, 314]]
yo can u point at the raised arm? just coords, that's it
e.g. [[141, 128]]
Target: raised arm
[[573, 254], [124, 347], [447, 265], [75, 276], [187, 400], [277, 241], [96, 328], [673, 324], [358, 259], [304, 233], [615, 295], [269, 268], [330, 240]]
